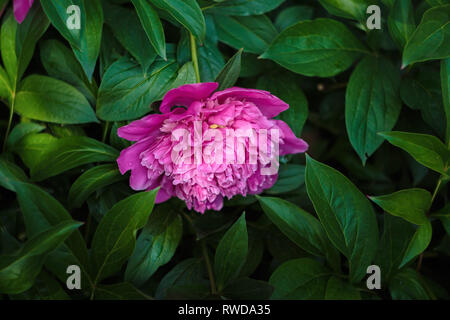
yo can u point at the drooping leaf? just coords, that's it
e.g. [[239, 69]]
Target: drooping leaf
[[230, 72]]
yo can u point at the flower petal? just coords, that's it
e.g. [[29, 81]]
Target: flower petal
[[21, 8], [186, 94], [269, 105], [142, 128], [291, 144]]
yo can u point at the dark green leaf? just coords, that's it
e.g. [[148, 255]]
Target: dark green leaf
[[231, 253], [299, 279], [114, 240], [245, 7], [119, 291], [230, 72], [408, 285], [153, 251], [346, 215], [92, 180], [427, 150], [409, 204], [372, 104], [248, 289], [352, 9], [321, 47], [18, 271], [431, 39], [338, 289], [401, 21], [292, 15]]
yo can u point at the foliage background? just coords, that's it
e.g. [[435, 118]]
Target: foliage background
[[374, 105]]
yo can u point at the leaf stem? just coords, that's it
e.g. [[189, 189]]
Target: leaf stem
[[8, 128], [105, 131], [194, 57], [212, 280]]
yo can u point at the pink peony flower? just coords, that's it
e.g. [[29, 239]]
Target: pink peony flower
[[217, 159], [21, 8]]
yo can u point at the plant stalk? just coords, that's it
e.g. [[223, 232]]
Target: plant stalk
[[194, 57]]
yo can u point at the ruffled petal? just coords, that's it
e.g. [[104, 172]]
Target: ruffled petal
[[186, 94], [269, 105], [142, 128], [291, 144], [21, 8]]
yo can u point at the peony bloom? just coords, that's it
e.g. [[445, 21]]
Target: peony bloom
[[205, 146], [21, 8]]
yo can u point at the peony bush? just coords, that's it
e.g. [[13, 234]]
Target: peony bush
[[238, 149]]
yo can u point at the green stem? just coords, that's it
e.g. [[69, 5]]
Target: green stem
[[436, 190], [11, 114], [212, 281], [105, 131], [194, 57]]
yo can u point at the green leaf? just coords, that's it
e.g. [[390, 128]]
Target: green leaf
[[40, 212], [152, 25], [32, 146], [231, 253], [290, 92], [85, 42], [300, 227], [408, 285], [50, 100], [435, 3], [22, 129], [45, 287], [127, 28], [188, 272], [291, 15], [60, 63], [337, 289], [409, 204], [401, 21], [9, 173], [445, 83], [245, 7], [346, 215], [321, 47], [185, 75], [248, 289], [114, 240], [119, 291], [186, 12], [18, 271], [153, 251], [253, 33], [372, 104], [427, 150], [419, 242], [351, 9], [68, 153], [5, 87], [394, 242], [430, 40], [290, 177], [18, 42], [126, 92], [299, 279], [423, 92], [230, 72], [92, 180]]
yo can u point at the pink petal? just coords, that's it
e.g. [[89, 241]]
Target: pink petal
[[129, 160], [269, 105], [142, 128], [21, 8], [186, 94], [292, 144]]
